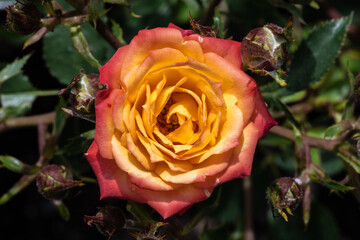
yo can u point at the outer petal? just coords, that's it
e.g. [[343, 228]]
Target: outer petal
[[240, 164], [113, 182], [262, 119], [229, 50], [104, 121], [170, 203], [183, 32], [110, 72]]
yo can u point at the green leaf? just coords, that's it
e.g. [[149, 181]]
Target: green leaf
[[13, 68], [82, 47], [117, 31], [17, 96], [17, 166], [316, 54], [14, 111], [15, 93], [63, 60], [350, 159], [337, 130], [331, 184]]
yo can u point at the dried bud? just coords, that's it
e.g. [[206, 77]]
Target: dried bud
[[203, 30], [108, 220], [54, 182], [264, 50], [285, 194], [83, 89], [23, 18]]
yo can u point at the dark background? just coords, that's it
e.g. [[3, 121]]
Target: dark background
[[30, 216]]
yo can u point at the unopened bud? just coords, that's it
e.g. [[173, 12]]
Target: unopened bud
[[108, 220], [264, 50], [285, 194], [54, 182], [23, 18], [83, 89]]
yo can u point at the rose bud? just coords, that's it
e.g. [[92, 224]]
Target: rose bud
[[284, 194], [264, 50], [83, 88], [108, 220], [23, 18], [54, 182]]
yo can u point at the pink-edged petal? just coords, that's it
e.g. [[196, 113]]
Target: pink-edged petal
[[242, 158], [138, 175], [156, 59], [115, 183], [112, 180], [227, 49], [111, 71], [148, 40], [105, 126], [172, 202], [262, 119], [183, 32], [215, 164], [118, 112], [235, 82]]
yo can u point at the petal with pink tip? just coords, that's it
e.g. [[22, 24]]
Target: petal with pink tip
[[111, 71], [105, 126]]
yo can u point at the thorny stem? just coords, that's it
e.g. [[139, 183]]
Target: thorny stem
[[13, 123], [327, 144], [105, 32]]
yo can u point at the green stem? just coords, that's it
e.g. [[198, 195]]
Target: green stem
[[39, 93]]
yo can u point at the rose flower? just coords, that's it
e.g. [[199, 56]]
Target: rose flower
[[178, 118]]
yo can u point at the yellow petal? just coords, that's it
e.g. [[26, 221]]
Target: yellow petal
[[138, 175], [182, 134], [139, 153], [165, 95]]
